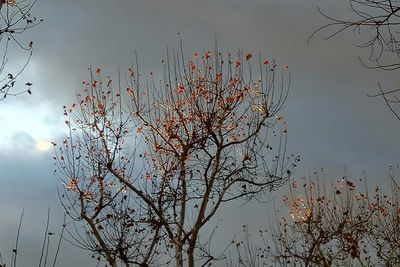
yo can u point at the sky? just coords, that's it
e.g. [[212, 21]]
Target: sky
[[332, 123]]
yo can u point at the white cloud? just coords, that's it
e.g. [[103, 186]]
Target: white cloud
[[43, 145], [28, 127]]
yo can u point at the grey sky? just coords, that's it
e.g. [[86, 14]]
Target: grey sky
[[331, 121]]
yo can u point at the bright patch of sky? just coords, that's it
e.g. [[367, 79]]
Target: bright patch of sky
[[28, 127]]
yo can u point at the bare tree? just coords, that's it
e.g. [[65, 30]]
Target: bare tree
[[338, 226], [379, 22], [248, 253], [116, 222], [179, 148], [15, 18], [45, 252]]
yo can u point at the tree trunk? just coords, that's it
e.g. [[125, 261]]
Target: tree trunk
[[192, 246], [179, 255], [191, 256]]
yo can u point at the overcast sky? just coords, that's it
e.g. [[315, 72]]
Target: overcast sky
[[331, 121]]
